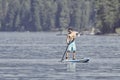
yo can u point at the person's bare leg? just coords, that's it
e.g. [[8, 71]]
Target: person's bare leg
[[74, 55], [67, 53]]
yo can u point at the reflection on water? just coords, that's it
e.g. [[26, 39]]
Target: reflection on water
[[71, 66]]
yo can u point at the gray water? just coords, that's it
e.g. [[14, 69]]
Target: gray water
[[36, 56]]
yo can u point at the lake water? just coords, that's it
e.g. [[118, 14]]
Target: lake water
[[36, 56]]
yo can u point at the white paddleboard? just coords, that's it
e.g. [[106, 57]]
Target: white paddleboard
[[78, 60]]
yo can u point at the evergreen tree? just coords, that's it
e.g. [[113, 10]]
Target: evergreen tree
[[64, 14], [10, 18], [25, 16], [36, 26]]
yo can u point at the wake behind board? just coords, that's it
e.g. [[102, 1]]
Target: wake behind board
[[78, 61]]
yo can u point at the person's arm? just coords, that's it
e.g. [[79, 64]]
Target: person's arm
[[77, 33]]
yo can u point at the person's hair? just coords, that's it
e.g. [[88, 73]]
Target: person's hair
[[70, 29]]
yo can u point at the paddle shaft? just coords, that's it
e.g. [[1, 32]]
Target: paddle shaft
[[64, 53]]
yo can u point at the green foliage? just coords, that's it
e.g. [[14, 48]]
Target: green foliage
[[35, 15], [107, 12], [46, 15]]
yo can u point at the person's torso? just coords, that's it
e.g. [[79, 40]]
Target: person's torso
[[72, 36]]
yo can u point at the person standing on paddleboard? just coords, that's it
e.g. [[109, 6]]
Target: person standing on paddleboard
[[71, 36]]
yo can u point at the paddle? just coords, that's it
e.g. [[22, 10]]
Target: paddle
[[64, 53]]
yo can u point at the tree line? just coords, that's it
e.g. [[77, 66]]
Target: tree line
[[48, 15]]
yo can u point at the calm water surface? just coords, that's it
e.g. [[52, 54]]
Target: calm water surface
[[36, 56]]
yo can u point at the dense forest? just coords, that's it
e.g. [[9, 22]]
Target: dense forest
[[48, 15]]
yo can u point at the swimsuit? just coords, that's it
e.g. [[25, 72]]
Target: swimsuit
[[72, 47]]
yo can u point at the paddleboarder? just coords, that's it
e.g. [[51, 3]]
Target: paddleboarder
[[71, 36]]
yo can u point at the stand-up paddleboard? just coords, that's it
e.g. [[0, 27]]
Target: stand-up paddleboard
[[78, 61]]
